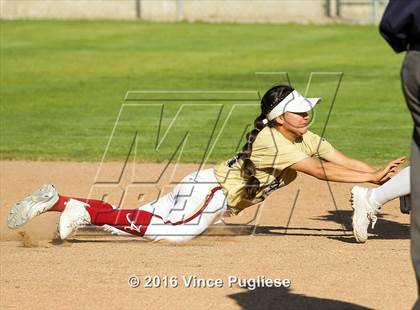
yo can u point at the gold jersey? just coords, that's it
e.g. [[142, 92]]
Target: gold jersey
[[272, 155]]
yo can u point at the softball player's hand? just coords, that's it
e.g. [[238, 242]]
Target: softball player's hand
[[387, 172]]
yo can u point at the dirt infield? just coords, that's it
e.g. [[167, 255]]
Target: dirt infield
[[315, 251]]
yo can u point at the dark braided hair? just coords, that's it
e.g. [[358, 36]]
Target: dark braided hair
[[270, 99]]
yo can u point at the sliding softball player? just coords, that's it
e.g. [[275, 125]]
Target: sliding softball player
[[279, 146]]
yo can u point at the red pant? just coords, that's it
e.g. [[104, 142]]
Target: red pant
[[134, 222]]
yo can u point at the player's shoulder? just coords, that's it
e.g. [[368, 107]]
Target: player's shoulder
[[310, 135], [312, 139], [266, 139], [271, 141], [267, 135]]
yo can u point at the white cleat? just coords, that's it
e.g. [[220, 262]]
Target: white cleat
[[40, 201], [364, 212], [74, 216], [115, 231]]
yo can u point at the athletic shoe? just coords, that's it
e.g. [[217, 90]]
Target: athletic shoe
[[364, 213], [74, 216], [40, 201], [115, 231]]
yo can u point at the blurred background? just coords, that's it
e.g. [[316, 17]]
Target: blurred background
[[273, 11], [67, 67]]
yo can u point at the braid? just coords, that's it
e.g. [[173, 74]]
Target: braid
[[248, 170]]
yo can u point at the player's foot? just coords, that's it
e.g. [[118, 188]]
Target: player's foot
[[38, 202], [74, 216], [115, 231], [364, 213]]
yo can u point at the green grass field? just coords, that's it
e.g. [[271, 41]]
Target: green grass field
[[63, 84]]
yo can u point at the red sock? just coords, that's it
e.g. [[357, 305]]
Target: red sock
[[97, 204], [131, 221]]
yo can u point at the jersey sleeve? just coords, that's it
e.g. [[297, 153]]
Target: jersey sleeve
[[270, 151], [321, 147], [288, 156], [278, 158]]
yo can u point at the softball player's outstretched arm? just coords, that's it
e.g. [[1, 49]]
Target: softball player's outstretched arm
[[339, 158], [332, 172]]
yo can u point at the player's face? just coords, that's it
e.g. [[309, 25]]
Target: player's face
[[296, 123]]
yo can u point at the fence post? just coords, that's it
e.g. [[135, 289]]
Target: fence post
[[328, 8], [179, 10], [337, 8], [138, 9], [375, 11]]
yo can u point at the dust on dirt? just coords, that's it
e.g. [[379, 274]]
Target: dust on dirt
[[27, 241]]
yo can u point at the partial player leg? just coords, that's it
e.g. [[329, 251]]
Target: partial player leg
[[60, 205], [173, 214], [200, 210], [78, 213], [410, 76], [415, 215], [397, 186], [368, 202], [195, 203]]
